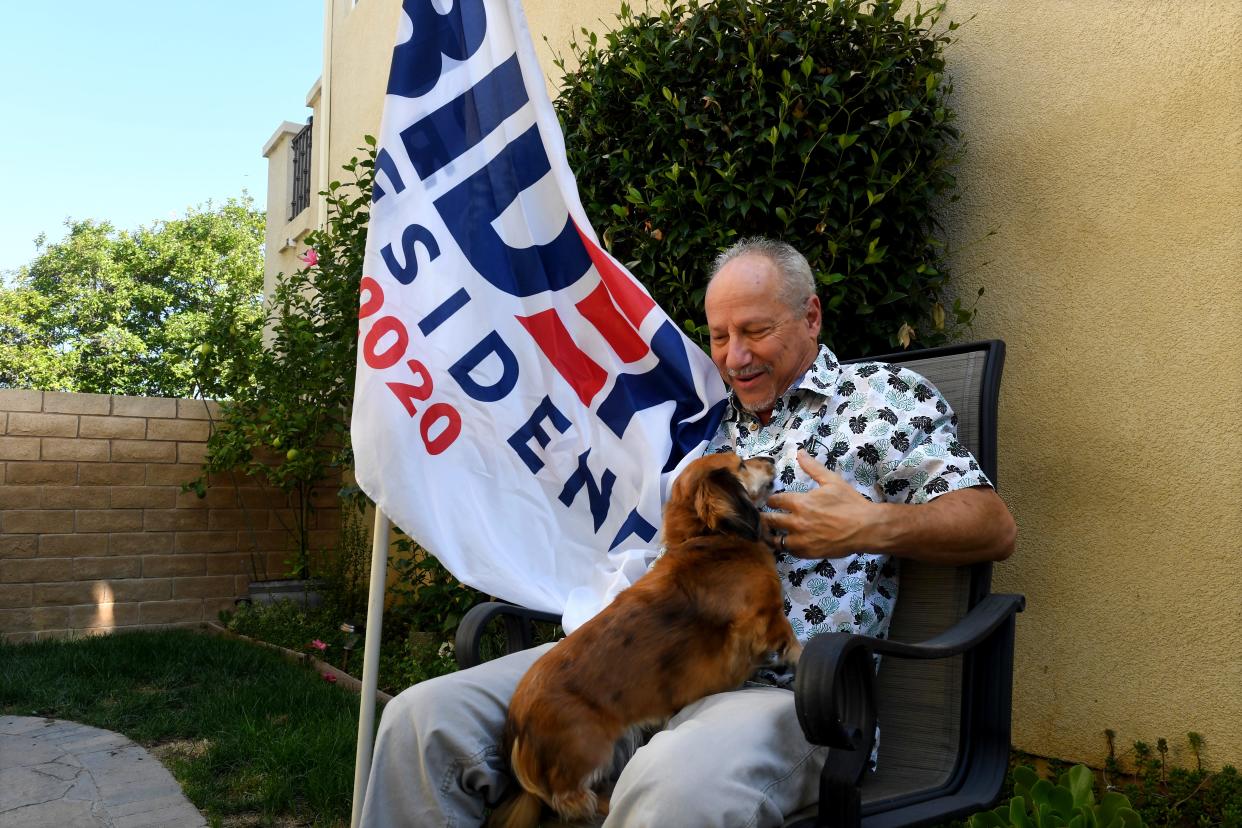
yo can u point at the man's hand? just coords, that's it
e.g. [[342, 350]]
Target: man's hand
[[831, 521], [960, 527]]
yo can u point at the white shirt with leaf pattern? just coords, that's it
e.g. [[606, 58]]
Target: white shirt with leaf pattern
[[892, 436]]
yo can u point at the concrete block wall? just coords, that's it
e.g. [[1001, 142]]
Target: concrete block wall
[[95, 532]]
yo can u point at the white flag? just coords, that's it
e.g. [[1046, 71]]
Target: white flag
[[522, 404]]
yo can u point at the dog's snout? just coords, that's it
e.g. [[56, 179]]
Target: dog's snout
[[759, 477], [765, 467]]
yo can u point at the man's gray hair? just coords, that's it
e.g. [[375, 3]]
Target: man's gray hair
[[797, 281]]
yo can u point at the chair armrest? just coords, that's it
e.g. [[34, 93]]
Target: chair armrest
[[518, 631], [834, 688], [834, 684], [834, 695]]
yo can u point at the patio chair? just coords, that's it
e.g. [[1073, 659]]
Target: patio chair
[[943, 693]]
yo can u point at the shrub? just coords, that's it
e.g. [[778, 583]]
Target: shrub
[[826, 124], [344, 572], [284, 623], [427, 596], [1175, 797], [413, 658]]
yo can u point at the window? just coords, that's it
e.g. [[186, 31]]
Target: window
[[301, 170]]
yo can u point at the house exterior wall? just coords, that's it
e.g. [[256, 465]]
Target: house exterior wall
[[95, 532], [1105, 148], [362, 40], [1104, 145]]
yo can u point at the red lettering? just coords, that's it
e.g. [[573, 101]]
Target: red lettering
[[631, 298], [441, 417], [600, 311], [406, 393], [452, 427], [374, 300], [394, 352], [583, 374]]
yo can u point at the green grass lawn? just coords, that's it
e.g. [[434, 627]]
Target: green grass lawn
[[255, 739], [252, 738]]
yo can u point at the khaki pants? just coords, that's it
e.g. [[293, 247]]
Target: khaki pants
[[733, 760]]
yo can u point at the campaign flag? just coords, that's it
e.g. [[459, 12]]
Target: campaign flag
[[522, 404]]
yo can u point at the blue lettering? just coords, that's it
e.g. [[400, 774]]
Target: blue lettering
[[490, 344], [470, 208], [598, 496], [384, 164], [462, 123], [447, 308], [412, 235], [671, 379], [520, 440], [417, 63], [635, 524]]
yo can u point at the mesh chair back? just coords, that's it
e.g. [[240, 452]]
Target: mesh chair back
[[920, 701]]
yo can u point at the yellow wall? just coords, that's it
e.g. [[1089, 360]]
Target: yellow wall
[[1105, 148], [362, 40], [553, 25]]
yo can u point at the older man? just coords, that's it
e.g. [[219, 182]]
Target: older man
[[871, 468]]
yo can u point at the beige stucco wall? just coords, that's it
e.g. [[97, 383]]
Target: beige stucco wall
[[362, 41], [361, 47], [1105, 149]]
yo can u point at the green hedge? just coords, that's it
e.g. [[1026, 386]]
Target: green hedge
[[825, 124]]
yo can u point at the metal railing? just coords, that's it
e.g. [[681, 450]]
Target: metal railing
[[301, 170]]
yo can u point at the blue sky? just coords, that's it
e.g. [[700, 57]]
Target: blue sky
[[133, 111]]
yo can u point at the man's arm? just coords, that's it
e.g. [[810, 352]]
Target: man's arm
[[832, 521]]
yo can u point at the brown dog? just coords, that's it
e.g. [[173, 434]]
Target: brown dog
[[705, 616]]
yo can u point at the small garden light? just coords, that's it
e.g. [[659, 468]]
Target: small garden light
[[355, 630]]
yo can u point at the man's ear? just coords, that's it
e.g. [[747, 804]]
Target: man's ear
[[723, 506], [814, 315]]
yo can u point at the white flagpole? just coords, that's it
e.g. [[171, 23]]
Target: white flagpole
[[370, 665]]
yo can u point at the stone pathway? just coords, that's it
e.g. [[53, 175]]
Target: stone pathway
[[57, 774]]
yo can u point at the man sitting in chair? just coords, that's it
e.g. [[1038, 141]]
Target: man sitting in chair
[[871, 469]]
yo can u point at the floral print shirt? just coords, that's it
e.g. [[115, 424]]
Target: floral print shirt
[[891, 435]]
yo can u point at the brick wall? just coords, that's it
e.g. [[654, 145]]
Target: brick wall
[[95, 532]]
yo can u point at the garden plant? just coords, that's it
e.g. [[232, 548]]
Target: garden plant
[[826, 124], [1069, 801], [1136, 786], [1166, 795]]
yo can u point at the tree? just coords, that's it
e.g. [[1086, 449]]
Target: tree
[[119, 312]]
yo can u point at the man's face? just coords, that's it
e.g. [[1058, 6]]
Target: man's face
[[760, 345]]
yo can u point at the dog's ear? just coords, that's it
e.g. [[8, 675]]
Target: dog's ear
[[723, 506]]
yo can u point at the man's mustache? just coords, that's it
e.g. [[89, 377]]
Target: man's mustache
[[748, 372]]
